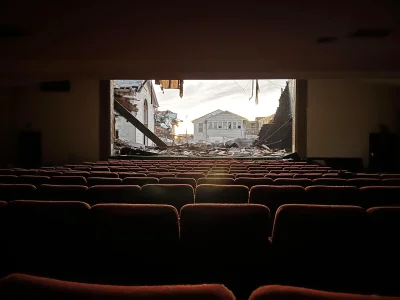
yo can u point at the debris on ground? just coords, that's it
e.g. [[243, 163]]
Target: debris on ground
[[234, 148]]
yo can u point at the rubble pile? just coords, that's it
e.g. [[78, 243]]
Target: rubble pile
[[234, 148]]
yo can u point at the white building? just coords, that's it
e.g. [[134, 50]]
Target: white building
[[218, 126], [139, 95]]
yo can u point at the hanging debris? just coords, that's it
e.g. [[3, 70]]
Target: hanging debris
[[171, 84]]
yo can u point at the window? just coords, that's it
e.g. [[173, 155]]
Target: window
[[210, 125], [219, 125], [224, 125], [239, 125], [234, 125], [253, 125], [200, 127], [229, 125], [215, 125], [117, 134]]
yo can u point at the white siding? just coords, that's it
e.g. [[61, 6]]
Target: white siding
[[126, 130], [219, 134]]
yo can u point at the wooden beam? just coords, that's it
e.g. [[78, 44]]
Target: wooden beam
[[139, 125]]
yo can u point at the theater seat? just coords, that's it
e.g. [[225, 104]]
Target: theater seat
[[219, 181], [304, 182], [68, 180], [391, 181], [175, 180], [123, 175], [194, 175], [330, 181], [212, 193], [360, 182], [333, 195], [380, 196], [225, 243], [8, 179], [34, 179], [385, 260], [134, 244], [176, 195], [19, 286], [103, 181], [48, 238], [140, 181], [279, 292], [103, 174], [10, 192], [274, 196], [130, 194], [322, 247], [62, 192], [250, 182]]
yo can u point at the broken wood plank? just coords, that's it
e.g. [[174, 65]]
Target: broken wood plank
[[139, 125]]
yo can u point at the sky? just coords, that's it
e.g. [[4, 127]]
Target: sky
[[201, 97]]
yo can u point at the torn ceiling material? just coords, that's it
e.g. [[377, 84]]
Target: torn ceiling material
[[171, 84]]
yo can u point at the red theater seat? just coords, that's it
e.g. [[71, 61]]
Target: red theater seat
[[278, 292], [230, 194], [19, 286]]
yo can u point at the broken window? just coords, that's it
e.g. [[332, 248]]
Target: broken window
[[224, 125], [209, 125], [215, 125], [234, 125], [117, 134], [219, 125], [229, 125], [200, 127]]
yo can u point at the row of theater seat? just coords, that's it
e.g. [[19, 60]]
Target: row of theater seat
[[192, 179], [341, 248], [20, 286], [178, 195]]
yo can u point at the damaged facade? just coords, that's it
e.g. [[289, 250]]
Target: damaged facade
[[166, 122], [277, 134], [218, 127], [139, 98]]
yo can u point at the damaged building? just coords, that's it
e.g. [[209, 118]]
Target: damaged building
[[218, 127], [277, 133], [166, 122], [139, 98]]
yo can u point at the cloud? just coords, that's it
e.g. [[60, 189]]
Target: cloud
[[204, 96]]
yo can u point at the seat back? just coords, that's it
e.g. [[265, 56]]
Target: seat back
[[333, 195], [175, 180], [380, 196], [304, 182], [68, 180], [103, 181], [19, 286], [250, 182], [127, 237], [62, 192], [140, 181], [130, 194], [176, 195], [10, 192], [42, 234], [212, 193]]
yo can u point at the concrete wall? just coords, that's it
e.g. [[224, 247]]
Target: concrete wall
[[69, 122], [218, 135], [341, 114]]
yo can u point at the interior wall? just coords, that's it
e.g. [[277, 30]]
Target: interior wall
[[69, 122], [6, 126], [341, 114]]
